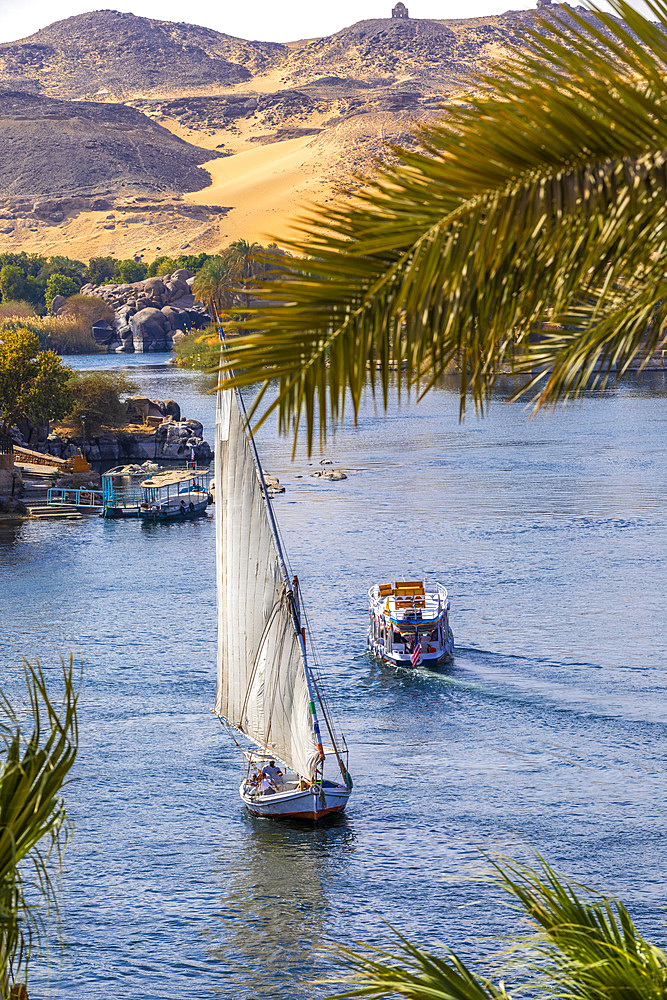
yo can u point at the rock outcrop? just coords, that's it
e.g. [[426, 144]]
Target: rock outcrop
[[158, 433], [147, 314], [51, 150], [331, 475]]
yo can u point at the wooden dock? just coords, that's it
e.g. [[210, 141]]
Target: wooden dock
[[53, 512]]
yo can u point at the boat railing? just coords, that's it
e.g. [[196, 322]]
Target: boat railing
[[124, 501], [87, 498]]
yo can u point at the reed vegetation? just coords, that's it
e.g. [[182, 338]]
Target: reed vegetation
[[199, 349], [63, 334], [67, 333]]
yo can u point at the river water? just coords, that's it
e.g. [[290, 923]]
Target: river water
[[546, 732]]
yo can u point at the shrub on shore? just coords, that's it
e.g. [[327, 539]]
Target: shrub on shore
[[87, 309], [67, 333], [97, 397], [34, 384], [16, 309], [199, 349], [63, 334]]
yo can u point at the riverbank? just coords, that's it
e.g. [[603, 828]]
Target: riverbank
[[155, 431]]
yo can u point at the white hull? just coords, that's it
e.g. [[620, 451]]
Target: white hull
[[307, 805], [444, 652]]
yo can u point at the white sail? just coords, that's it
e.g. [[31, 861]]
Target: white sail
[[262, 685]]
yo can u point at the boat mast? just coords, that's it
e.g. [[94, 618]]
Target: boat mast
[[313, 693]]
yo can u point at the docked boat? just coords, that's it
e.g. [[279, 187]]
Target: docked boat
[[121, 493], [409, 624], [175, 495], [270, 693]]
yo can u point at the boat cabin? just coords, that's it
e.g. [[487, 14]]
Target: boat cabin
[[121, 492], [175, 495]]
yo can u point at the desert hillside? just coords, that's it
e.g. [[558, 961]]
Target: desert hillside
[[193, 138], [113, 56], [64, 148]]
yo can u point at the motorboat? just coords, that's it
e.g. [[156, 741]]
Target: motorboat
[[175, 495], [409, 623]]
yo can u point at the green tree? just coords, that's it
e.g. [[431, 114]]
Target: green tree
[[193, 262], [160, 266], [97, 396], [584, 947], [100, 269], [12, 283], [212, 286], [59, 284], [74, 269], [526, 232], [128, 271], [34, 765], [223, 281], [33, 383]]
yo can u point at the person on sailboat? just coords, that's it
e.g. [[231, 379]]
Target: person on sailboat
[[271, 771], [267, 786]]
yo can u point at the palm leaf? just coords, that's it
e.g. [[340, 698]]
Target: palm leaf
[[586, 948], [412, 973], [588, 944], [33, 824], [528, 231]]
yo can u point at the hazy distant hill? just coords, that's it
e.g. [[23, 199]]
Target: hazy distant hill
[[390, 50], [109, 56], [114, 55]]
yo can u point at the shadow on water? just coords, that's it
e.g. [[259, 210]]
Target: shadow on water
[[275, 907], [10, 532]]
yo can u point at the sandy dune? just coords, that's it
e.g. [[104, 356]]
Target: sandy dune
[[265, 187]]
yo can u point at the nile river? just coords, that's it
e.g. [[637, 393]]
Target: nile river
[[548, 730]]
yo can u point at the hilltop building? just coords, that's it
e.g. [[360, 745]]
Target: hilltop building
[[400, 10]]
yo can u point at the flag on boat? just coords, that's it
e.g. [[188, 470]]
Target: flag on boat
[[417, 651]]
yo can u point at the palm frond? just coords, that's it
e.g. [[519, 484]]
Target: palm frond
[[586, 948], [588, 944], [528, 231], [412, 973], [33, 824]]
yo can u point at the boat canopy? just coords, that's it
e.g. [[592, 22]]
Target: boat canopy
[[172, 478], [262, 685]]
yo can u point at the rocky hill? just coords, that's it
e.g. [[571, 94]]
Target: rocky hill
[[62, 148], [123, 111], [111, 55]]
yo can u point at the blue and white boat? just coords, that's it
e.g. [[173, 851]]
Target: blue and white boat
[[409, 624], [175, 496]]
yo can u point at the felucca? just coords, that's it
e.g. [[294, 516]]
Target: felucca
[[270, 694]]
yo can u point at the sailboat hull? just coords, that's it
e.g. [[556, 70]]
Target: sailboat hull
[[306, 805]]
